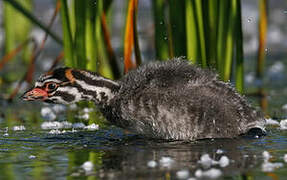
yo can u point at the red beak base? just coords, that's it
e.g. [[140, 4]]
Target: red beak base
[[35, 94]]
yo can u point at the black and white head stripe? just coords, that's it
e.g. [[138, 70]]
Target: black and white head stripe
[[76, 85], [57, 76], [93, 79], [94, 86]]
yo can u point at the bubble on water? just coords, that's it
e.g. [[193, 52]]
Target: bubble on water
[[79, 125], [32, 157], [284, 107], [19, 128], [56, 131], [182, 174], [269, 167], [212, 173], [73, 106], [56, 125], [48, 114], [206, 161], [224, 161], [92, 127], [88, 110], [88, 166], [219, 151], [166, 162], [283, 124], [266, 155], [85, 116], [59, 108], [152, 164]]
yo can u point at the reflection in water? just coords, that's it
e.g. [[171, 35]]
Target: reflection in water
[[36, 154], [130, 159], [119, 156]]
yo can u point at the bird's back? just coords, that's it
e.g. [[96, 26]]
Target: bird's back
[[176, 100]]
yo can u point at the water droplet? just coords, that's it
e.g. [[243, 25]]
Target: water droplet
[[285, 11], [161, 23], [266, 50], [249, 19], [32, 157], [165, 38]]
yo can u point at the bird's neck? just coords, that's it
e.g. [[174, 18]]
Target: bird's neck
[[93, 87]]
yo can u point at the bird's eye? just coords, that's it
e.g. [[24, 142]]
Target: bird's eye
[[51, 86]]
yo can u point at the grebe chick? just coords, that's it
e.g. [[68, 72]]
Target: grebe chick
[[171, 100]]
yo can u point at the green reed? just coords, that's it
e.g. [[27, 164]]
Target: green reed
[[13, 36], [208, 33]]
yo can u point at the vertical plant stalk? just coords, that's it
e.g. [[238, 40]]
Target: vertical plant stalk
[[230, 41], [198, 4], [169, 39], [110, 51], [80, 38], [212, 15], [12, 34], [161, 43], [262, 38], [129, 37], [224, 6], [8, 27], [67, 35], [177, 28], [135, 34], [104, 66], [239, 83], [90, 33], [261, 51], [193, 47]]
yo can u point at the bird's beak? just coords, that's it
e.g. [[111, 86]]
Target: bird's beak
[[35, 94]]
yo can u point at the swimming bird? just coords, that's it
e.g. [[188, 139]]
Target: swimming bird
[[170, 100]]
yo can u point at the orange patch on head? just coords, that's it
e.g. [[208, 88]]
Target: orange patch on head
[[49, 73], [69, 75]]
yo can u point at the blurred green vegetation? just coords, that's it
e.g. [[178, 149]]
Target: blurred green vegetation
[[207, 33], [13, 22]]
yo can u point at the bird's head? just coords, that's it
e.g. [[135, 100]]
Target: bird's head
[[53, 87], [66, 86]]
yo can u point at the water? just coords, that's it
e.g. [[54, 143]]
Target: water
[[109, 153], [30, 154]]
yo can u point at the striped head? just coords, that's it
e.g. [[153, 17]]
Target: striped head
[[66, 86]]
